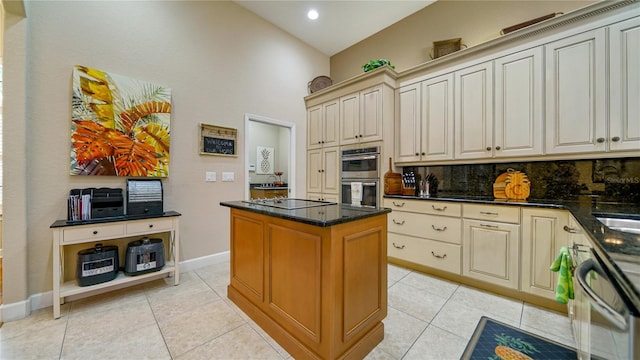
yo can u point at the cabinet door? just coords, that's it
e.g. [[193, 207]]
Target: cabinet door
[[370, 128], [518, 111], [331, 170], [474, 112], [575, 93], [407, 137], [491, 252], [624, 123], [542, 237], [349, 119], [314, 127], [437, 118], [314, 171], [322, 125]]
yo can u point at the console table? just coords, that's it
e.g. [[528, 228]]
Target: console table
[[68, 233]]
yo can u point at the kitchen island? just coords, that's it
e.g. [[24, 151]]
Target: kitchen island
[[312, 274]]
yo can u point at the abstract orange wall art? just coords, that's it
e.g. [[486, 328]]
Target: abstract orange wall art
[[119, 126]]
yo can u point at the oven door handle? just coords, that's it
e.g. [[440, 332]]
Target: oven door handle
[[360, 157], [598, 303], [363, 184]]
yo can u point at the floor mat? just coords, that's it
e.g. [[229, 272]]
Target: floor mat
[[495, 340]]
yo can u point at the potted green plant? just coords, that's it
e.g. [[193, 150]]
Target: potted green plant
[[374, 64]]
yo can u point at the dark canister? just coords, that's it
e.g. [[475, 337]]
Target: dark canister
[[97, 265]]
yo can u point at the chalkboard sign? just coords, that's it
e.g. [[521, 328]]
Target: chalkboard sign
[[217, 140]]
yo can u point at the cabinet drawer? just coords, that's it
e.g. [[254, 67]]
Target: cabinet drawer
[[88, 233], [435, 254], [441, 228], [509, 214], [150, 225], [424, 206]]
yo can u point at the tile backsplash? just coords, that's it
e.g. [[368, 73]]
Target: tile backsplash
[[616, 180]]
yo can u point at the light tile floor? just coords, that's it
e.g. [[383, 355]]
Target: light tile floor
[[428, 318]]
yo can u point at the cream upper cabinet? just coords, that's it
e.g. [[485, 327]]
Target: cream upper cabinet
[[437, 118], [543, 235], [624, 93], [576, 93], [407, 136], [425, 120], [322, 125], [474, 111], [323, 171], [361, 116], [519, 104]]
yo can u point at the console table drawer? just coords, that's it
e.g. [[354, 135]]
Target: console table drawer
[[424, 206], [92, 232], [146, 226]]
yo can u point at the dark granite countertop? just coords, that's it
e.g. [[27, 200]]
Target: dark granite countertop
[[62, 223], [326, 215], [615, 248]]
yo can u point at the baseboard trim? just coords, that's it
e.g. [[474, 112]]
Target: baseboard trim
[[21, 309]]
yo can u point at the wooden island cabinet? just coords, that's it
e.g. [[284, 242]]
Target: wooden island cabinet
[[314, 278]]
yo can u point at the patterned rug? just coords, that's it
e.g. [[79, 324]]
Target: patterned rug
[[495, 340]]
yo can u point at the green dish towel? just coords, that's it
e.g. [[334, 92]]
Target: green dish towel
[[562, 265]]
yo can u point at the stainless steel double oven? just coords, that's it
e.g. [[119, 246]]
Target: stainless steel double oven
[[361, 166]]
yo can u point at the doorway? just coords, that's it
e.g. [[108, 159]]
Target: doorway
[[276, 139]]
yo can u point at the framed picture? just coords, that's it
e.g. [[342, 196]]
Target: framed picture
[[218, 140], [444, 47]]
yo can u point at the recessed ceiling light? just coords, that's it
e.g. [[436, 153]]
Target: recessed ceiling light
[[312, 14]]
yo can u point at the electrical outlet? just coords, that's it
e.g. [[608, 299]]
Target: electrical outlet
[[228, 176], [210, 176]]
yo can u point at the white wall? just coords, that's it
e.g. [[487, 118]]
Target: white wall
[[220, 61]]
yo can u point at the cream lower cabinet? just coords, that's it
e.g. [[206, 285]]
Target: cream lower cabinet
[[425, 232], [491, 244], [543, 235]]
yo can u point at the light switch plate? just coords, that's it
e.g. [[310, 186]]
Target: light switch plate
[[210, 176], [228, 176]]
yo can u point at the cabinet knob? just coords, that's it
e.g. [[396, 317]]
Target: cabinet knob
[[615, 138], [356, 136], [319, 142], [423, 154], [417, 154], [439, 256], [488, 148], [398, 222], [360, 135], [438, 228], [439, 208], [398, 247], [150, 226], [498, 147], [600, 140], [95, 232]]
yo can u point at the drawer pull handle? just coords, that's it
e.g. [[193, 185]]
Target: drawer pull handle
[[570, 230], [398, 222], [398, 247], [439, 256], [490, 226], [439, 208], [489, 213], [95, 232], [398, 205], [438, 229], [150, 226]]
